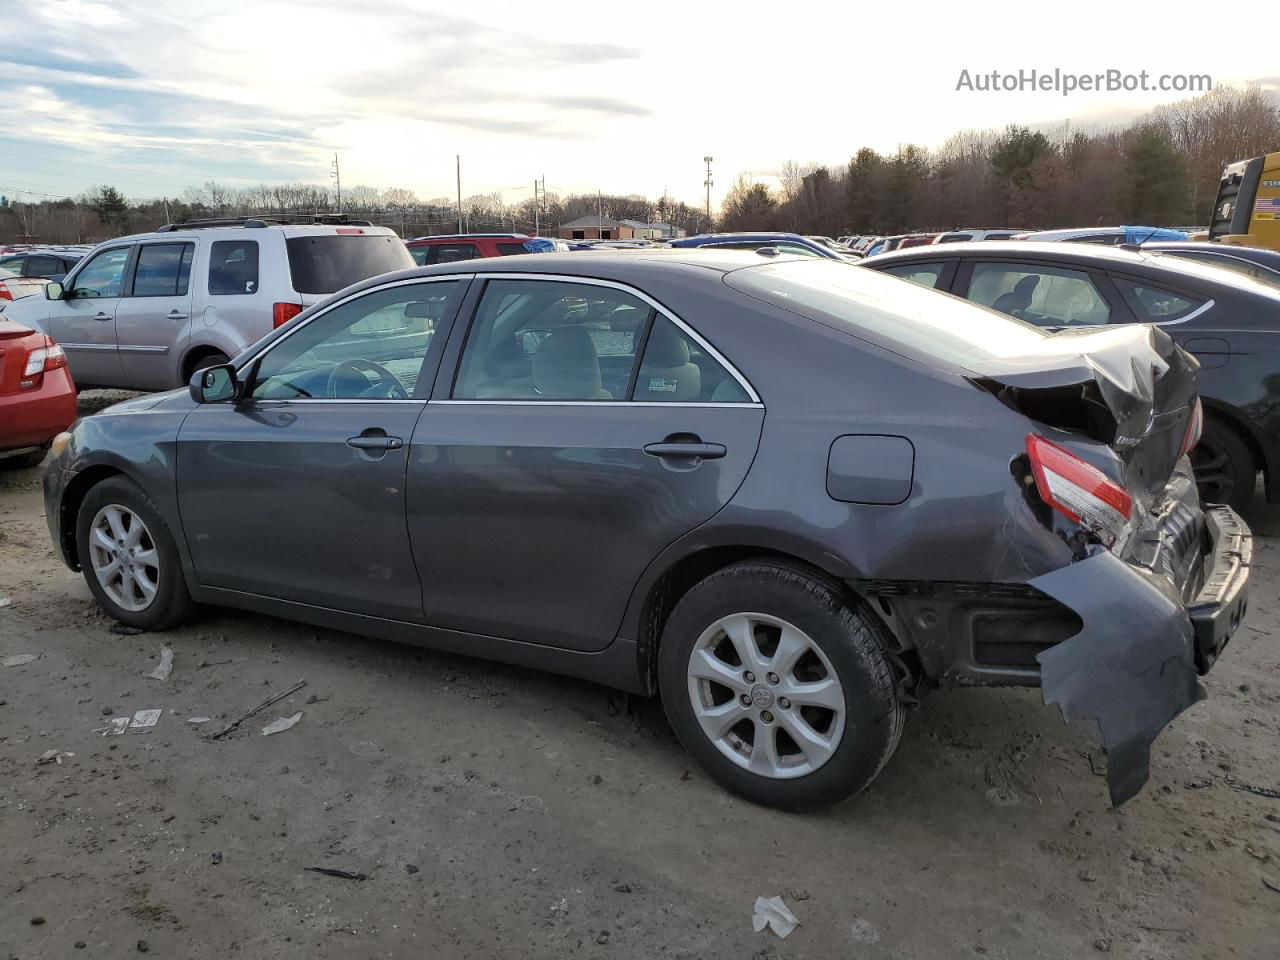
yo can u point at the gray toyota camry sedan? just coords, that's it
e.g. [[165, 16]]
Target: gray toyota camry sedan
[[788, 495]]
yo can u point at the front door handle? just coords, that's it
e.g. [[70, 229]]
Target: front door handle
[[101, 316], [688, 451], [176, 315], [375, 442]]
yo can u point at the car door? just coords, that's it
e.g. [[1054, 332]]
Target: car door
[[84, 320], [585, 429], [1052, 296], [296, 490], [153, 318]]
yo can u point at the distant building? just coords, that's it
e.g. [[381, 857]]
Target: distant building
[[604, 228]]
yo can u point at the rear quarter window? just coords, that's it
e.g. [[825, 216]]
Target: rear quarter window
[[233, 268], [1152, 303], [327, 263]]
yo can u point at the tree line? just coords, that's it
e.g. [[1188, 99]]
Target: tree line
[[1161, 170], [104, 212]]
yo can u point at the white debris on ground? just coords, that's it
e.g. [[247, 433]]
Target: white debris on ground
[[19, 659], [281, 724], [165, 667], [774, 914]]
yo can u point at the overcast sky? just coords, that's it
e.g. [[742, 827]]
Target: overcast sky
[[624, 97]]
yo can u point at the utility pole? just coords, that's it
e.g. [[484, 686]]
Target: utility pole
[[599, 216], [458, 160], [337, 181], [537, 209], [707, 183]]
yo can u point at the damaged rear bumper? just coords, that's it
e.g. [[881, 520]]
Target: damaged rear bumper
[[1133, 665]]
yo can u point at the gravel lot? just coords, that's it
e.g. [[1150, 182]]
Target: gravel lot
[[499, 812]]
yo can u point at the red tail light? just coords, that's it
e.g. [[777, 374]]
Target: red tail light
[[4, 293], [349, 230], [1078, 490], [282, 313], [1194, 426]]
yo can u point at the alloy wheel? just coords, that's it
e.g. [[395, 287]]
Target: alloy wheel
[[1214, 472], [766, 695], [124, 557]]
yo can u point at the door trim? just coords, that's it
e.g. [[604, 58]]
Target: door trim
[[593, 403]]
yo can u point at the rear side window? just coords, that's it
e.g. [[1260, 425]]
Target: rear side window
[[163, 270], [453, 252], [511, 249], [675, 369], [43, 266], [1155, 304], [925, 274], [13, 264], [327, 263], [1045, 296], [955, 237], [233, 267]]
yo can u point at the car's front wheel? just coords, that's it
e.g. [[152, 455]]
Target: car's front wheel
[[778, 686], [129, 557]]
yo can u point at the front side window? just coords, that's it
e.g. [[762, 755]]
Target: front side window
[[1154, 304], [233, 268], [163, 270], [925, 274], [369, 348], [452, 252], [102, 276], [1045, 296]]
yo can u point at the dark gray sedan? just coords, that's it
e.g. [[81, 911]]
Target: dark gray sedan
[[789, 495]]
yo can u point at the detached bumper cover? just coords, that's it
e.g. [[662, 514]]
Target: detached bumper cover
[[1132, 668]]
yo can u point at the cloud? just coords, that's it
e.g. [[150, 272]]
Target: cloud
[[64, 64]]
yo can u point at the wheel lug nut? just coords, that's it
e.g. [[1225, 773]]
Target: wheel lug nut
[[746, 701], [784, 703], [772, 678], [766, 716], [748, 676]]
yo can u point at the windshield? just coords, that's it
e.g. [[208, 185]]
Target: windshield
[[893, 313], [325, 264]]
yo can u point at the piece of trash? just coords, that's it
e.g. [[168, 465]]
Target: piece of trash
[[54, 756], [165, 667], [124, 630], [340, 874], [145, 719], [1271, 884], [411, 868], [115, 727], [4, 602], [262, 706], [773, 913], [281, 725], [19, 659], [216, 857], [197, 719]]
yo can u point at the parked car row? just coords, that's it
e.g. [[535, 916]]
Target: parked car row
[[49, 262]]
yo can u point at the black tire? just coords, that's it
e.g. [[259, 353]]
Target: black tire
[[215, 359], [851, 640], [1224, 467], [24, 461], [172, 602]]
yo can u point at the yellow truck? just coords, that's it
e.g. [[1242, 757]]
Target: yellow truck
[[1247, 211]]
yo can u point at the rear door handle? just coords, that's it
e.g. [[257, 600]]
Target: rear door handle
[[365, 442], [101, 316], [704, 451], [175, 315]]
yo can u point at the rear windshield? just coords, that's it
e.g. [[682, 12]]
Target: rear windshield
[[325, 264], [896, 314]]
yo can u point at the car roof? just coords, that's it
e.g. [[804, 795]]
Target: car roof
[[450, 237], [1259, 255], [1088, 254], [289, 229]]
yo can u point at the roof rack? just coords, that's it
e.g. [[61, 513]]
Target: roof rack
[[253, 223]]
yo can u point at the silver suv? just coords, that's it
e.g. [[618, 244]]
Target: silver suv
[[145, 312]]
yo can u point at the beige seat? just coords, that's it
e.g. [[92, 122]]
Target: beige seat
[[566, 367], [668, 374]]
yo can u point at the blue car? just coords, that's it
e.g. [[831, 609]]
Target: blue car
[[783, 242]]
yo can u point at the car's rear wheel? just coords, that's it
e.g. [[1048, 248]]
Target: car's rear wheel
[[779, 687], [129, 558], [1224, 467], [203, 362], [24, 461]]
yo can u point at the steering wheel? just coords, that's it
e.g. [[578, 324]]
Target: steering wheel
[[386, 381]]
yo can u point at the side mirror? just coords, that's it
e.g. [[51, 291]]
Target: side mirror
[[214, 384], [53, 290]]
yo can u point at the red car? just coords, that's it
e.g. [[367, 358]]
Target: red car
[[37, 397], [471, 246]]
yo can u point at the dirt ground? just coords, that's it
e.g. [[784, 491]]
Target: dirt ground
[[498, 812]]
